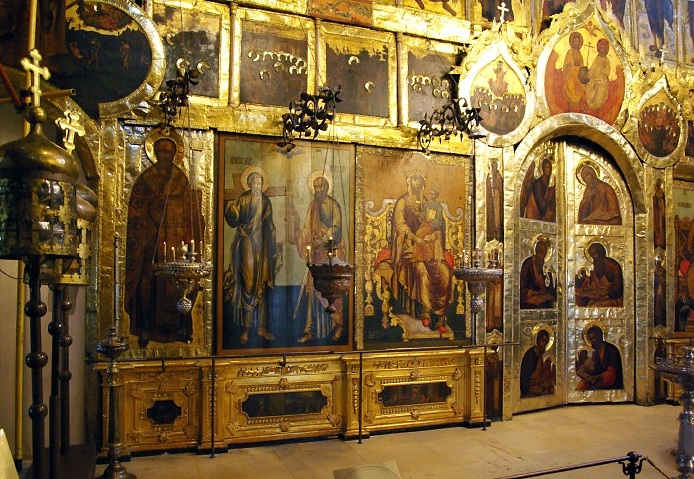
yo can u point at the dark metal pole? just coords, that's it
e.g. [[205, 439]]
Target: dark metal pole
[[35, 308], [65, 376], [55, 328], [361, 378], [212, 401], [484, 390]]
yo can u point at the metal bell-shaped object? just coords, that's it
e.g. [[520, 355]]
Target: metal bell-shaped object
[[38, 202]]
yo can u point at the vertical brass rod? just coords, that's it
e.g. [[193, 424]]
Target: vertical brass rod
[[19, 369], [21, 292]]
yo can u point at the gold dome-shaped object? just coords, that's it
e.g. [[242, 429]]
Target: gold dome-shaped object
[[38, 203]]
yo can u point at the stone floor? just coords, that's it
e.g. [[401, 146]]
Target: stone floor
[[529, 442]]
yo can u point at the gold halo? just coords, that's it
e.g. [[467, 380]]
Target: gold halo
[[584, 164], [596, 322], [164, 132], [602, 242], [547, 240], [254, 169], [326, 175], [550, 331]]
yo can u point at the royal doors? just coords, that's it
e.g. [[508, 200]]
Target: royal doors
[[574, 290]]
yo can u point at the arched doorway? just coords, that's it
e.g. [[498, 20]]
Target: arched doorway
[[573, 276]]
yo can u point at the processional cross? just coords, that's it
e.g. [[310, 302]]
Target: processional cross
[[36, 71], [71, 125], [503, 10]]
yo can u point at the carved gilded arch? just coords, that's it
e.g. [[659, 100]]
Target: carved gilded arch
[[594, 130]]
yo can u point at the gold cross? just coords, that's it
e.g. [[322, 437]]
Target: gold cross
[[71, 125], [502, 8], [36, 72]]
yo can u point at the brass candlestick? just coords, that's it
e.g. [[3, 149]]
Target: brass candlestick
[[112, 347]]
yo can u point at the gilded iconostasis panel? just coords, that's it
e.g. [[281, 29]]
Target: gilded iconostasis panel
[[198, 33], [108, 51], [276, 211], [429, 84], [275, 57], [411, 223], [167, 211], [584, 74], [576, 278], [571, 219], [683, 201], [364, 64]]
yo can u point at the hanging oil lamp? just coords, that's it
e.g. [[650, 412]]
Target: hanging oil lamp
[[331, 277]]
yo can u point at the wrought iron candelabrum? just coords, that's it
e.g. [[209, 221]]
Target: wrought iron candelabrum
[[308, 116], [175, 96], [681, 371], [186, 274], [331, 277], [476, 276], [456, 118]]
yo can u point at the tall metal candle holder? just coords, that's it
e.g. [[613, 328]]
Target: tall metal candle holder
[[112, 347], [476, 276], [681, 371]]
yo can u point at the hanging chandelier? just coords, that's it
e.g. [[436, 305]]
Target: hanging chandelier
[[308, 116], [185, 266], [456, 118], [175, 96]]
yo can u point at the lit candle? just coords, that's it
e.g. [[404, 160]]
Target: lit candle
[[202, 252], [192, 246], [308, 254], [164, 251], [173, 253]]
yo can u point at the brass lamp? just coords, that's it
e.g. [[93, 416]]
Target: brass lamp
[[38, 220], [331, 277], [38, 203]]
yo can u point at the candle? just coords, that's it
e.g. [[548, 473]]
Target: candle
[[173, 253], [116, 284], [308, 254], [202, 251], [164, 251], [192, 246]]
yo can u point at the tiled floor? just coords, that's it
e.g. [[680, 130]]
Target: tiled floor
[[528, 442]]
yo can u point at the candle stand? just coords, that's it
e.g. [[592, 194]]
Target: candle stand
[[112, 347], [681, 371], [477, 278]]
